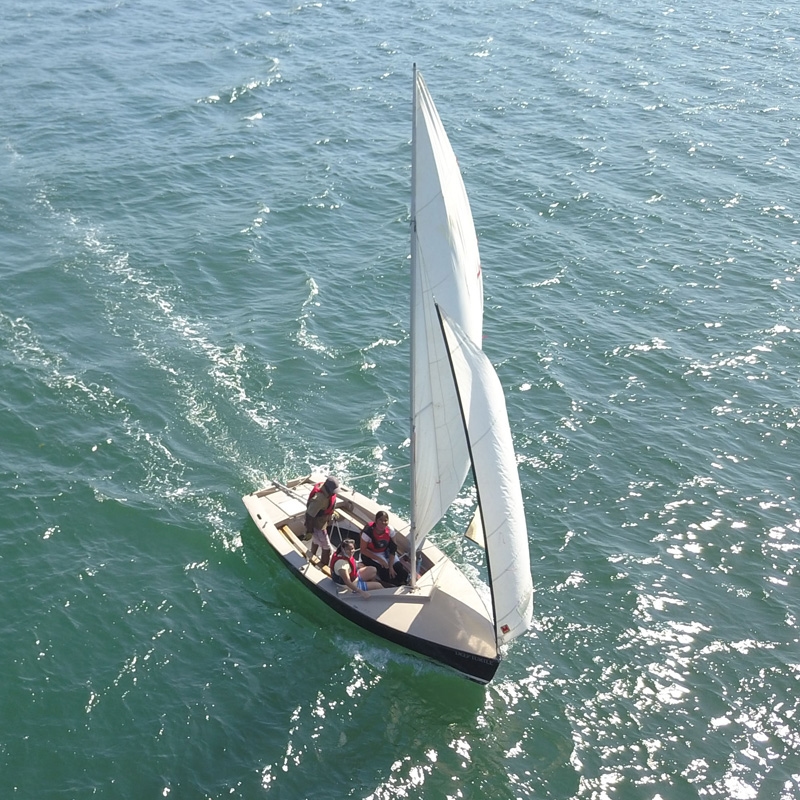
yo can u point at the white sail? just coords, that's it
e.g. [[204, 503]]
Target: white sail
[[445, 266], [474, 531], [494, 465]]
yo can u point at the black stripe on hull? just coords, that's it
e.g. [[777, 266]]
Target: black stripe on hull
[[476, 668]]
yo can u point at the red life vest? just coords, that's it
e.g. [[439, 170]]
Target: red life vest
[[315, 491], [339, 557], [378, 542]]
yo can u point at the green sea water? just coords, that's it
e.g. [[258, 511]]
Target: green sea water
[[204, 281]]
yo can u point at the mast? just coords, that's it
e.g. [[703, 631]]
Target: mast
[[412, 535]]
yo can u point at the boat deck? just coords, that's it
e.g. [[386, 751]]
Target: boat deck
[[442, 617]]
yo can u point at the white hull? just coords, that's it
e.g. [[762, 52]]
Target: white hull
[[443, 617]]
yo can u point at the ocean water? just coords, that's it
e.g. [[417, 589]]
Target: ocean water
[[203, 282]]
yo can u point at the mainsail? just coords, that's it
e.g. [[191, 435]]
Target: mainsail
[[494, 464], [445, 266]]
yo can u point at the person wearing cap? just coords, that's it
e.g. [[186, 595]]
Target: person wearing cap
[[319, 512]]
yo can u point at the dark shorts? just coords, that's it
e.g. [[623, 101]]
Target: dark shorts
[[400, 572]]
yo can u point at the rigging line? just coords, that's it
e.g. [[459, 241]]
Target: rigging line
[[378, 474]]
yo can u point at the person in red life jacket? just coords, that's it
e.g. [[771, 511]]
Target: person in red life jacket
[[345, 572], [378, 550], [319, 512]]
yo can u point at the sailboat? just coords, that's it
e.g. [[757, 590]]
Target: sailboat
[[459, 424]]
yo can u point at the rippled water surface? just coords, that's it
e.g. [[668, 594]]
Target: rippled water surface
[[203, 281]]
